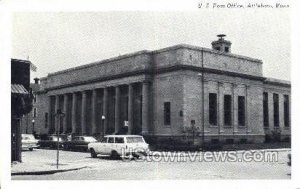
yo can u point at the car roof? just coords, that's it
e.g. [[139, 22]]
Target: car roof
[[123, 136], [27, 134]]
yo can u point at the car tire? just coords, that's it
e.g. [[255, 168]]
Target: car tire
[[30, 149], [136, 156], [66, 147], [93, 153], [114, 154]]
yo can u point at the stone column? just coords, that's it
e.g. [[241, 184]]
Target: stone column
[[281, 111], [83, 113], [205, 106], [94, 103], [130, 108], [221, 107], [247, 109], [117, 108], [50, 117], [105, 98], [56, 117], [65, 110], [235, 109], [74, 102], [145, 107], [271, 111]]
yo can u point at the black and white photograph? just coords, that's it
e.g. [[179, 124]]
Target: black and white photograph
[[132, 94]]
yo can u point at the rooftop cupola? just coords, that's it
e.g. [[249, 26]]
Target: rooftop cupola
[[221, 44]]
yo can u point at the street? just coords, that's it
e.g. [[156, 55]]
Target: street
[[104, 168]]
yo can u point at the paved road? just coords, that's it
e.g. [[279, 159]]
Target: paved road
[[108, 169]]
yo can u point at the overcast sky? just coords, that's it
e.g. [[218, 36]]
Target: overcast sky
[[56, 41]]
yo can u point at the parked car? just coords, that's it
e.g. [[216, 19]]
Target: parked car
[[119, 145], [51, 141], [29, 142], [79, 143]]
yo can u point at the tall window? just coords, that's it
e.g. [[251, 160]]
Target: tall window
[[227, 110], [241, 110], [276, 109], [213, 108], [34, 98], [46, 120], [286, 111], [167, 113], [266, 109], [34, 112]]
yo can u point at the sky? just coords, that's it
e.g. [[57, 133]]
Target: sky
[[54, 41]]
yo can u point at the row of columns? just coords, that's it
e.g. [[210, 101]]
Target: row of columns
[[145, 110]]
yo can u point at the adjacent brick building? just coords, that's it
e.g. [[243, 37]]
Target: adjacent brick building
[[172, 93]]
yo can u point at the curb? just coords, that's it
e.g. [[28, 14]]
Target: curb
[[47, 172]]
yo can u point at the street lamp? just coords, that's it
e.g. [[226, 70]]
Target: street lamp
[[103, 120], [33, 121]]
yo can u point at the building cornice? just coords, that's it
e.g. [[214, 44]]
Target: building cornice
[[158, 71], [105, 61], [277, 82]]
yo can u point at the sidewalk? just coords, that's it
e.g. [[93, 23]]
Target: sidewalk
[[40, 162]]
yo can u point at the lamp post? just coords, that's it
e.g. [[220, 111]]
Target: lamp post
[[103, 121], [59, 115], [33, 131]]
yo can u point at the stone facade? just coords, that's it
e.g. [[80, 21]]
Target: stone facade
[[137, 89]]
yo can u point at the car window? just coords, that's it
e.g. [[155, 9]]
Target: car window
[[119, 140], [134, 140], [90, 139], [110, 139], [54, 138], [28, 137], [104, 140]]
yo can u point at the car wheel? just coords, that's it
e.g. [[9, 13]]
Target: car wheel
[[136, 156], [114, 155], [66, 147], [93, 153], [31, 149]]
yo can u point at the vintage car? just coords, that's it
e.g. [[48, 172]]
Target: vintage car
[[50, 141], [79, 143], [119, 145], [29, 142]]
